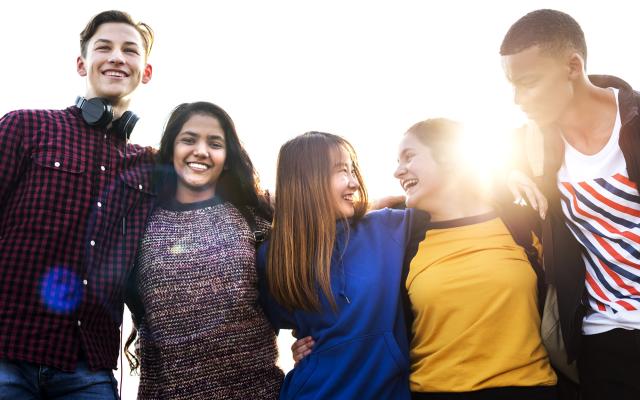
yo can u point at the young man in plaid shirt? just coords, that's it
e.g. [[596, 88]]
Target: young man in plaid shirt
[[74, 199]]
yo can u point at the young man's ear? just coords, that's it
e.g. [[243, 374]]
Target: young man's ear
[[80, 67], [576, 66], [147, 73]]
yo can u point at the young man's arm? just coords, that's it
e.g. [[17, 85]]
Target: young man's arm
[[11, 153]]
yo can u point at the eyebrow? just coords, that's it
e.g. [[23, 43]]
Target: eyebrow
[[404, 151], [107, 41], [194, 134], [524, 77], [340, 164]]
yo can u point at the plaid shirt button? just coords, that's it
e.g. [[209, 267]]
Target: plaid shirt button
[[140, 187], [99, 204], [92, 243], [85, 282], [102, 168], [79, 323], [56, 164]]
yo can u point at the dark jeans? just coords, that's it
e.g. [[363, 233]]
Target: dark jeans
[[24, 380], [609, 365], [502, 393]]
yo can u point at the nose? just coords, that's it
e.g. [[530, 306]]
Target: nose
[[353, 182], [200, 149], [116, 57], [400, 170]]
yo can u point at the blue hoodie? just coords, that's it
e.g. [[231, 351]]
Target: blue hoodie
[[361, 350]]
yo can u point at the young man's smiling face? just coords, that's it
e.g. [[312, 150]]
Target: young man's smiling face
[[542, 83], [115, 62]]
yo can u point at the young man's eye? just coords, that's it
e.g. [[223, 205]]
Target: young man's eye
[[132, 51]]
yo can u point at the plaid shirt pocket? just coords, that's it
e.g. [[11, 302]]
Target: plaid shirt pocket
[[57, 181]]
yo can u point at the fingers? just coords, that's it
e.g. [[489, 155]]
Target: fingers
[[543, 204], [517, 196], [302, 348], [515, 183], [524, 191], [530, 196]]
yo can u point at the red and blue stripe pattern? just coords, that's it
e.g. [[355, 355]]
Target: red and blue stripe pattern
[[604, 216]]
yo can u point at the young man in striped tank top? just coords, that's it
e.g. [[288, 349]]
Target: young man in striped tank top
[[589, 172]]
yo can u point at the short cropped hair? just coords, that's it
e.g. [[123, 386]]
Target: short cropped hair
[[119, 17], [553, 31]]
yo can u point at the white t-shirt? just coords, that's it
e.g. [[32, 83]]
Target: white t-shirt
[[602, 210]]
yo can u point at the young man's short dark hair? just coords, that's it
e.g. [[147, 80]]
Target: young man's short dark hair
[[118, 17], [552, 30]]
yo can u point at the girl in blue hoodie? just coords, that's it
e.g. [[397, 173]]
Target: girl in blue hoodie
[[333, 273]]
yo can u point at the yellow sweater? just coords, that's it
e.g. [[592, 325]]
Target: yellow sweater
[[474, 299]]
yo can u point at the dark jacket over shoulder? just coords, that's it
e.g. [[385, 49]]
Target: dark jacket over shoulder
[[562, 253]]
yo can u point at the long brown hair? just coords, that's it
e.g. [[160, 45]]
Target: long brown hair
[[304, 221]]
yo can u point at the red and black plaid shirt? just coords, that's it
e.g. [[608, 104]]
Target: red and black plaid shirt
[[73, 204]]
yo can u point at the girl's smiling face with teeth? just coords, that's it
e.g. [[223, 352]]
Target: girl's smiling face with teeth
[[199, 155], [344, 184], [419, 174]]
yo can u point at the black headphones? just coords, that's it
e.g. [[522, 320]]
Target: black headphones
[[98, 112]]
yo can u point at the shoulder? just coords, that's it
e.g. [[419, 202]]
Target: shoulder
[[521, 222], [36, 115], [263, 224], [146, 153], [396, 225], [12, 119], [392, 218], [386, 215]]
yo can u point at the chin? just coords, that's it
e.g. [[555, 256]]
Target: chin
[[114, 94], [347, 213], [411, 202]]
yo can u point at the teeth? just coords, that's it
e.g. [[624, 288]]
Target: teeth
[[115, 73], [406, 185], [198, 166], [348, 197]]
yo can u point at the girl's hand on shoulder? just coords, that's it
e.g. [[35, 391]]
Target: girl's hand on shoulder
[[301, 348], [387, 201]]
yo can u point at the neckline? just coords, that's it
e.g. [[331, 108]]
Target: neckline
[[464, 221], [174, 205], [613, 137]]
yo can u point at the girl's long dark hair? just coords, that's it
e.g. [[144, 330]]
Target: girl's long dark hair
[[238, 183]]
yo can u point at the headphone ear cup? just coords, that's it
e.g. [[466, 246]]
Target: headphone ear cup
[[126, 123], [97, 112]]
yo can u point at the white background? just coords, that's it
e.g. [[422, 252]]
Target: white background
[[366, 70]]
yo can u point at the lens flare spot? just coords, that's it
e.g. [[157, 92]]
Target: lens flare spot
[[60, 290], [177, 249]]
